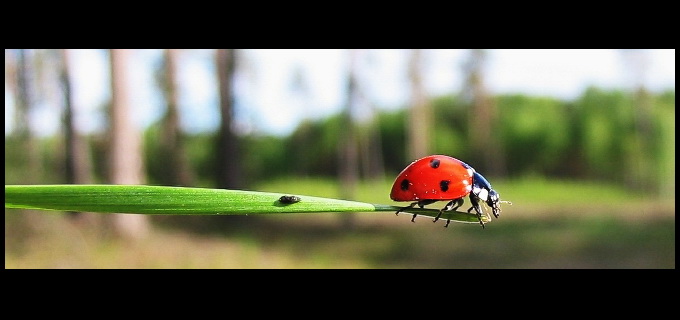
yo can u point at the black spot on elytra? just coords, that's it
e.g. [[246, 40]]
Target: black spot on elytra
[[405, 184], [434, 163], [444, 185]]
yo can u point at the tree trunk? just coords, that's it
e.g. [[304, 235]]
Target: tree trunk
[[419, 123], [481, 127], [640, 159], [371, 151], [77, 161], [29, 152], [228, 157], [370, 145], [349, 158], [178, 170], [125, 150]]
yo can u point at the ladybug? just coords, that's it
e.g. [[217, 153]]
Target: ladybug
[[289, 199], [443, 178]]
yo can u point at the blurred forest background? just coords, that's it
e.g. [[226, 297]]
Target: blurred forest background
[[592, 179]]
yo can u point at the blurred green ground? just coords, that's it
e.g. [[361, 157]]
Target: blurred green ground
[[551, 224]]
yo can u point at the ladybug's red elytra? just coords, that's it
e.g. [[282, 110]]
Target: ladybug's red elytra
[[443, 178]]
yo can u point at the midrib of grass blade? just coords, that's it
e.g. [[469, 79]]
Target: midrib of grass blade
[[143, 199]]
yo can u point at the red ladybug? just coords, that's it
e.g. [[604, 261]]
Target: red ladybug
[[438, 178]]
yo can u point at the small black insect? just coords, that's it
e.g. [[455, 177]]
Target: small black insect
[[289, 199]]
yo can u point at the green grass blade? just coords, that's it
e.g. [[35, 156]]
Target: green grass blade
[[142, 199]]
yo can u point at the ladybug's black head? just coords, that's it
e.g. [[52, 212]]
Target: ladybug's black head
[[481, 188], [494, 202]]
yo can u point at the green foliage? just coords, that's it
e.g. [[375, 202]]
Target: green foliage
[[265, 152], [33, 160], [451, 126], [310, 150], [534, 133], [665, 169], [609, 135], [154, 159], [392, 128], [317, 146], [595, 137], [198, 151], [605, 118], [603, 135], [626, 137]]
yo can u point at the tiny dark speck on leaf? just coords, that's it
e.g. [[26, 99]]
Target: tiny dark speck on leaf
[[289, 199]]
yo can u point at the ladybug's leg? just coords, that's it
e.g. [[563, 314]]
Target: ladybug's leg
[[478, 209], [447, 207], [460, 203], [452, 205], [421, 204], [406, 207]]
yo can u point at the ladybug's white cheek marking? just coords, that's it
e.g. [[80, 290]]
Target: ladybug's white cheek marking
[[483, 194]]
